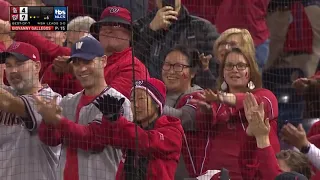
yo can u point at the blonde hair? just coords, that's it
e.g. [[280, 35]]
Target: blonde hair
[[80, 24], [296, 161], [247, 43]]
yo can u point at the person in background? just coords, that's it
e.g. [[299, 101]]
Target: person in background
[[42, 40], [232, 37], [169, 25], [309, 88], [2, 67], [269, 165], [114, 33], [138, 8], [57, 37], [206, 9], [250, 15], [5, 10], [67, 123], [5, 42], [291, 176], [77, 28], [296, 136], [59, 74], [279, 19], [224, 112]]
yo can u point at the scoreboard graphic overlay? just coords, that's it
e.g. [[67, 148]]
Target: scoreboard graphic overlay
[[38, 18]]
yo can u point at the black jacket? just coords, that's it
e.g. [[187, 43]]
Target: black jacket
[[151, 47]]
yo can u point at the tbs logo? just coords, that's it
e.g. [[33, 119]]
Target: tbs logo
[[60, 13]]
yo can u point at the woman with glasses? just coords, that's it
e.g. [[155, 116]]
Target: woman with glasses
[[178, 72], [225, 120], [230, 38]]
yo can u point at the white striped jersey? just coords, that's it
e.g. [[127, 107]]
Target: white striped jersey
[[22, 155]]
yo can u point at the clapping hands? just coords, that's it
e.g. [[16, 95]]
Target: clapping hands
[[295, 136], [48, 109], [255, 115]]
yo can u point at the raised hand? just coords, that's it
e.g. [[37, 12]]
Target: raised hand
[[205, 60], [301, 85], [249, 104], [210, 96], [4, 27], [48, 109], [255, 115], [61, 66], [295, 136], [109, 106], [163, 18]]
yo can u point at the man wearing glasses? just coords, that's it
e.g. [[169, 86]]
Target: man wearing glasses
[[113, 32]]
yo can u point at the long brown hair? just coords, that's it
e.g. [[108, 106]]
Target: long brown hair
[[296, 161], [255, 75]]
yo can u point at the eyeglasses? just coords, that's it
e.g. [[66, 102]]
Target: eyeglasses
[[228, 44], [239, 66], [176, 67]]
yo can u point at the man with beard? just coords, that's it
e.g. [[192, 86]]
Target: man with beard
[[22, 154]]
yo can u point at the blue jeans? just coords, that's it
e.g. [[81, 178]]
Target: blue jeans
[[262, 54]]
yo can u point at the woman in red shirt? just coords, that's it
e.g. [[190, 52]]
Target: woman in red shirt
[[225, 117]]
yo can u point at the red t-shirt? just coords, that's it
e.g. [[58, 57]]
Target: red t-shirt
[[71, 170]]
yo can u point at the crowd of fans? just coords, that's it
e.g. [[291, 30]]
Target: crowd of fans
[[150, 90]]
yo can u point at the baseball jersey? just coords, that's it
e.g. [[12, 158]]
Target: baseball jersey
[[22, 155], [93, 165]]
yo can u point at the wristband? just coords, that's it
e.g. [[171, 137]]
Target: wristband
[[305, 149]]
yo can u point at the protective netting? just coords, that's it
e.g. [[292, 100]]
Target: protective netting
[[162, 89]]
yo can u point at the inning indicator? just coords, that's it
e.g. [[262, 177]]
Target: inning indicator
[[39, 18]]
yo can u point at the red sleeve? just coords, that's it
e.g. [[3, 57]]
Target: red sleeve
[[316, 76], [205, 120], [202, 119], [5, 10], [262, 95], [42, 44], [268, 164], [249, 159], [2, 47], [314, 130], [86, 137], [160, 140], [123, 81], [49, 135]]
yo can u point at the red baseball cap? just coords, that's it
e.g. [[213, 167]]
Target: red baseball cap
[[112, 14], [21, 51]]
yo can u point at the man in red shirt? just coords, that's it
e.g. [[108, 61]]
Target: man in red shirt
[[113, 32]]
